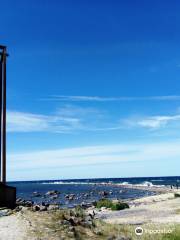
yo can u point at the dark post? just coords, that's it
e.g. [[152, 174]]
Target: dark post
[[1, 72], [7, 193], [4, 118]]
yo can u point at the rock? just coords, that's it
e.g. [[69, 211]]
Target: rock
[[28, 203], [91, 213], [25, 203], [54, 197], [18, 208], [24, 209], [94, 203], [98, 232], [86, 205], [40, 208], [45, 204], [5, 212], [103, 193], [53, 207], [36, 194], [86, 195], [36, 208], [70, 196], [74, 221], [43, 208], [53, 192]]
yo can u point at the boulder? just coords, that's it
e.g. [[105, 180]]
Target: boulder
[[103, 193], [54, 197], [36, 208], [25, 203], [85, 205], [70, 196], [53, 192], [43, 208], [36, 194]]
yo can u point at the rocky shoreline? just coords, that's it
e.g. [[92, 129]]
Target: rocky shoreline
[[86, 221], [49, 203]]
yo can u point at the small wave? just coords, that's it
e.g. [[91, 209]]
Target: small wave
[[149, 184], [68, 183], [124, 183], [146, 184]]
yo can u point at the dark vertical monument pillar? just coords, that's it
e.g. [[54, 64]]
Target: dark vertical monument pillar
[[7, 193]]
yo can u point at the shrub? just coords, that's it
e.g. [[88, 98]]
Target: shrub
[[104, 203], [119, 206], [176, 195], [109, 204]]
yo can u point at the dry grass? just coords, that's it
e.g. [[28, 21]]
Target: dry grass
[[50, 226]]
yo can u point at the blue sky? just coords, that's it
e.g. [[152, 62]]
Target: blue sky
[[93, 88]]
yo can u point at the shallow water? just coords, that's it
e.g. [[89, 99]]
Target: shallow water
[[88, 190]]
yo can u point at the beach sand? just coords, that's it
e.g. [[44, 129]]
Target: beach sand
[[14, 227], [162, 208]]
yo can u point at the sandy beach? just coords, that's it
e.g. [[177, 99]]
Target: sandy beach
[[162, 208]]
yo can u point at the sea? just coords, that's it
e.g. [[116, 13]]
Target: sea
[[89, 190]]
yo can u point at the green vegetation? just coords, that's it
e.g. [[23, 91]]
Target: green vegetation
[[176, 195], [109, 204]]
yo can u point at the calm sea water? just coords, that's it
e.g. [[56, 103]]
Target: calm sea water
[[88, 190]]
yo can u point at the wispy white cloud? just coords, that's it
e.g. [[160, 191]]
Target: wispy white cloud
[[106, 99], [152, 122], [79, 98], [28, 122], [92, 156], [72, 118], [158, 121], [65, 120]]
